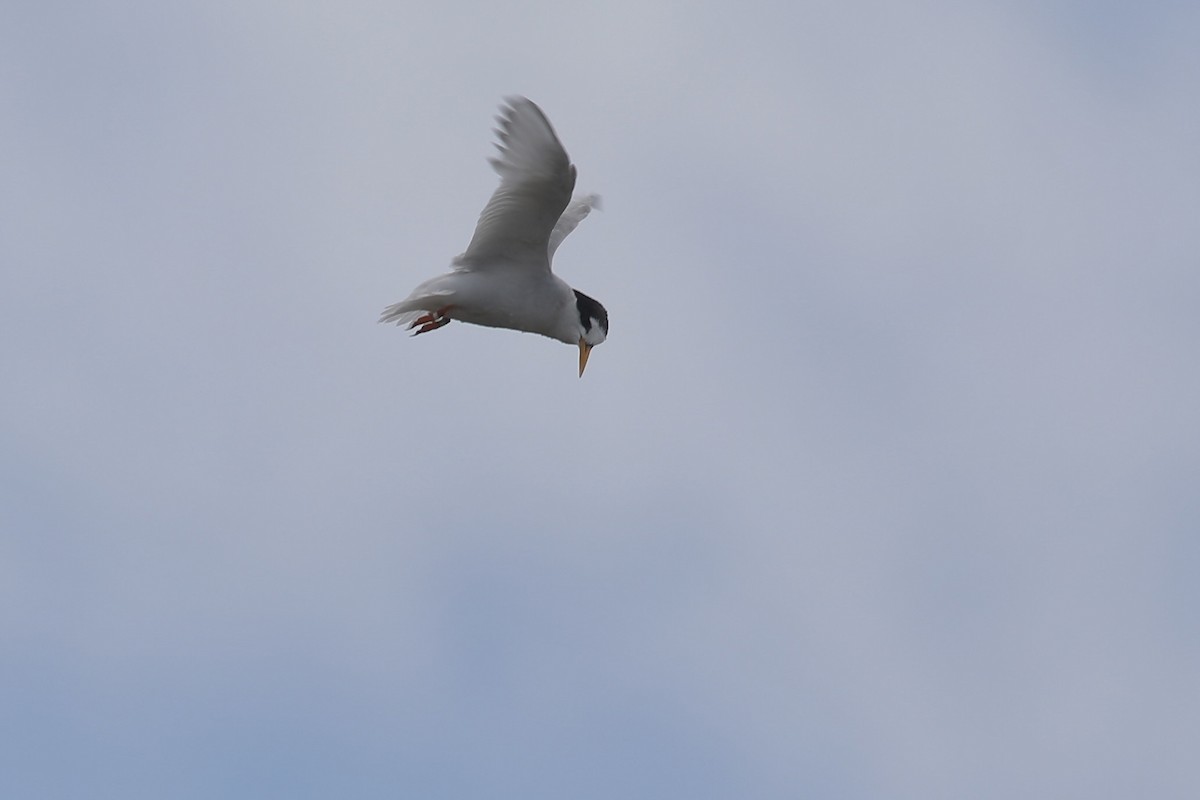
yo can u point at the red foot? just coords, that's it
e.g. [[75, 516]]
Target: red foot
[[431, 322]]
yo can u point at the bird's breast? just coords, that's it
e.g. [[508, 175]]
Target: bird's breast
[[502, 299]]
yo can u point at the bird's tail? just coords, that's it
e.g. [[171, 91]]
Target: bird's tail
[[430, 296], [402, 313]]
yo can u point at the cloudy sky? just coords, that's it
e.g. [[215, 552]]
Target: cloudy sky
[[883, 486]]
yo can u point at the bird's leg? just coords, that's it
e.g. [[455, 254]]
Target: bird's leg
[[432, 321]]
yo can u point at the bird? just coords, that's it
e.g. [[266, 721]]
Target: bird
[[504, 279]]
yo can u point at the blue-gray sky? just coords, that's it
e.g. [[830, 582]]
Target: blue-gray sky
[[884, 485]]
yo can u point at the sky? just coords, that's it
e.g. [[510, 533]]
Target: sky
[[884, 484]]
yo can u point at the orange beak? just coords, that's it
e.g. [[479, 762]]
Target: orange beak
[[585, 350]]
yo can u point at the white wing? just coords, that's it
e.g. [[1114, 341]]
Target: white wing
[[570, 219], [536, 181]]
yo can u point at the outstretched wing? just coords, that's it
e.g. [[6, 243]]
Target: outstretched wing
[[575, 213], [536, 181]]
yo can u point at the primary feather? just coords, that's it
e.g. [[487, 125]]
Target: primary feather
[[536, 181]]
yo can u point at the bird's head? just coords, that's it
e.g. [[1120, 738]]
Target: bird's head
[[593, 326]]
